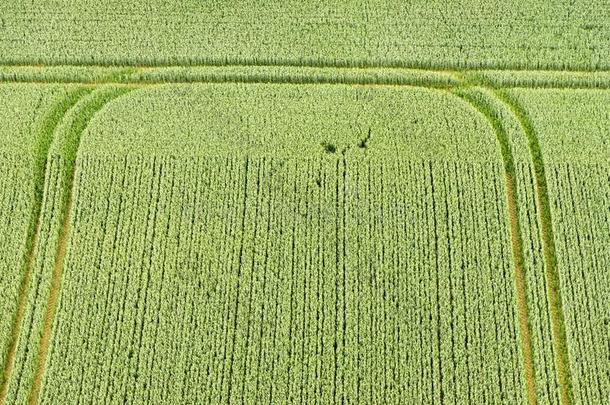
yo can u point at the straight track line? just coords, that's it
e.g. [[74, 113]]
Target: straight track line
[[299, 64], [245, 80], [379, 83], [308, 81], [123, 75]]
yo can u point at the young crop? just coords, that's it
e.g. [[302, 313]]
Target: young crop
[[337, 227]]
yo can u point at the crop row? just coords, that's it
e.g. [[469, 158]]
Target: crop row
[[285, 280], [499, 35], [574, 142], [581, 204], [285, 244]]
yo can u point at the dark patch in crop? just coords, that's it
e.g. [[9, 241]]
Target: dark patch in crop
[[319, 182], [589, 27], [364, 143], [329, 147]]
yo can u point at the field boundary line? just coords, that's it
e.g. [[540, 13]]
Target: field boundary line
[[300, 64], [121, 75], [449, 88], [62, 244], [510, 185], [240, 81], [559, 338], [49, 124], [281, 81], [150, 83]]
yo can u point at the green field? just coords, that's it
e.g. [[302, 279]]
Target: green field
[[303, 203]]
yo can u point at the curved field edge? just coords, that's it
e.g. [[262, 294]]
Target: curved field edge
[[494, 143], [507, 191], [510, 185], [571, 127], [442, 78], [24, 365], [562, 362], [96, 102], [509, 164], [184, 120], [45, 131]]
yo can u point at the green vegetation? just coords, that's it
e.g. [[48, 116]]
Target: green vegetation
[[293, 226], [576, 151], [30, 113], [304, 203], [522, 34]]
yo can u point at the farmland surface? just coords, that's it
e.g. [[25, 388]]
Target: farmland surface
[[298, 203]]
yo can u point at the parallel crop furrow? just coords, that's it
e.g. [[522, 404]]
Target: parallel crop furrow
[[328, 297], [122, 223], [439, 78]]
